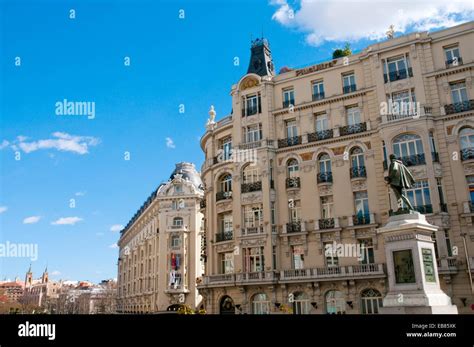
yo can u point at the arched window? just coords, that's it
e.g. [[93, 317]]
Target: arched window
[[335, 303], [301, 303], [325, 170], [409, 148], [178, 221], [370, 301], [226, 183], [292, 168], [357, 163], [260, 304], [466, 142]]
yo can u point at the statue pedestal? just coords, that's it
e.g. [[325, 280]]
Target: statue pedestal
[[412, 269]]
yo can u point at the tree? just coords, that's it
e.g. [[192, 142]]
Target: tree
[[339, 53]]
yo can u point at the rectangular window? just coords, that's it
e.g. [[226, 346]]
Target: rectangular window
[[419, 196], [298, 257], [251, 105], [458, 92], [448, 243], [321, 122], [295, 211], [227, 262], [326, 207], [397, 68], [367, 250], [361, 202], [226, 147], [331, 255], [318, 90], [272, 211], [274, 257], [175, 241], [253, 216], [253, 259], [453, 58], [253, 133], [226, 220], [348, 83], [288, 97], [291, 129], [353, 115], [440, 191]]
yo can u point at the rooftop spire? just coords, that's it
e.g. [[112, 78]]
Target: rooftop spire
[[261, 62]]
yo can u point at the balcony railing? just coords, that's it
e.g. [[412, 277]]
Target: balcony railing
[[398, 75], [361, 219], [290, 141], [326, 223], [349, 89], [453, 62], [287, 103], [251, 187], [320, 135], [333, 272], [467, 154], [424, 209], [325, 177], [293, 227], [223, 195], [318, 96], [255, 277], [413, 160], [353, 129], [293, 182], [252, 230], [358, 172], [457, 107], [224, 236]]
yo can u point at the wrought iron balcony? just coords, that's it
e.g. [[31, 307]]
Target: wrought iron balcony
[[327, 223], [361, 219], [457, 107], [224, 236], [293, 182], [293, 227], [349, 89], [290, 141], [223, 195], [251, 187], [318, 96], [325, 177], [467, 154], [353, 129], [351, 271], [320, 135], [413, 160], [358, 172], [287, 103], [453, 62], [252, 230], [398, 75]]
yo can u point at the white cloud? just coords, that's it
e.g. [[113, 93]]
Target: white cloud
[[116, 227], [55, 273], [59, 141], [67, 221], [4, 144], [170, 143], [31, 220], [352, 20], [3, 209], [113, 246]]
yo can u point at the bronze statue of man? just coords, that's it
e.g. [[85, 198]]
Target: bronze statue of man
[[399, 178]]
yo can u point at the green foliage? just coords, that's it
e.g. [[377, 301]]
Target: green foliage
[[339, 53]]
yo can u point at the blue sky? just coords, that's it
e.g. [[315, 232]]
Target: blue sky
[[173, 61]]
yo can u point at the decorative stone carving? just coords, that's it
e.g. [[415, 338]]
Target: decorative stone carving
[[419, 172], [224, 247], [253, 242], [251, 198], [469, 168], [325, 189], [224, 206], [358, 185]]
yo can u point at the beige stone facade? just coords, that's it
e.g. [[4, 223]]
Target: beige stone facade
[[300, 164], [160, 248]]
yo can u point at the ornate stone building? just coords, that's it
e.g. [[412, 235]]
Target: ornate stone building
[[160, 248], [299, 167]]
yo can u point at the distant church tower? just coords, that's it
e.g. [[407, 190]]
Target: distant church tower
[[29, 278], [261, 62], [44, 278]]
